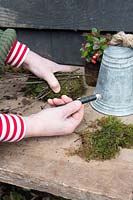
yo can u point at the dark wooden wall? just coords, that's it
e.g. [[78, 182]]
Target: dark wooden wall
[[53, 27]]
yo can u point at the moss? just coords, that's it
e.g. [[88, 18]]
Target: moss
[[71, 84], [104, 139]]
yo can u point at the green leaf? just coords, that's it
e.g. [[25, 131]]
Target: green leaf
[[85, 53], [104, 46], [88, 44], [95, 40], [89, 37], [94, 30], [88, 59], [102, 39], [100, 52]]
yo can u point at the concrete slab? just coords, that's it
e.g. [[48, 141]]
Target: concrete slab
[[43, 164]]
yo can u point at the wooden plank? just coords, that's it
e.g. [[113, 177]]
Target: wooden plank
[[69, 15], [33, 164], [44, 163], [59, 46]]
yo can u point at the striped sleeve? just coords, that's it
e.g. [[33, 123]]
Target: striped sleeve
[[17, 54], [12, 128]]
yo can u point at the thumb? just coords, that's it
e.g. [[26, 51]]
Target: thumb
[[53, 82], [71, 108]]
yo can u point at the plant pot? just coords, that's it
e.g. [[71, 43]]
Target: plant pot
[[91, 73]]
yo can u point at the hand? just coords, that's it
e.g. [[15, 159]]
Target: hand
[[60, 120], [45, 69], [59, 101]]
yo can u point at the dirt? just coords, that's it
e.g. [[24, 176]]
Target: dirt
[[12, 99]]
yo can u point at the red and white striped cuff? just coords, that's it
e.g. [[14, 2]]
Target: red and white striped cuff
[[12, 128], [17, 54]]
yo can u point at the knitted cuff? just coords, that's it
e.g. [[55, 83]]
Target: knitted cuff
[[12, 128], [17, 54], [7, 39], [1, 32]]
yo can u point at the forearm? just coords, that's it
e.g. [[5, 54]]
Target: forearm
[[31, 127], [12, 127]]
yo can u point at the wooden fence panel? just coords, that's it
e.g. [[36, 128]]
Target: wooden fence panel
[[53, 28], [67, 14], [60, 46]]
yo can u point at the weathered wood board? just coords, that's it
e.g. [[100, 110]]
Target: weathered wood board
[[59, 46], [44, 164], [69, 15], [53, 28]]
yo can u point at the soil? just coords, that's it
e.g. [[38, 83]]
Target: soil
[[12, 96], [14, 87]]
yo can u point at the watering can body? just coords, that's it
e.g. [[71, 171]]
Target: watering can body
[[115, 82]]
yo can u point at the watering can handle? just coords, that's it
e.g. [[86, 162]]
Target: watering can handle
[[90, 98]]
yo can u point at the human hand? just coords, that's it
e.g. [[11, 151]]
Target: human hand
[[60, 120], [59, 101], [45, 69]]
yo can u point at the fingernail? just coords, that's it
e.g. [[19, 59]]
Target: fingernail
[[56, 90]]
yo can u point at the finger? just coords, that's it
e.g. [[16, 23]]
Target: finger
[[71, 108], [66, 99], [50, 102], [58, 101], [53, 82], [79, 114], [76, 118]]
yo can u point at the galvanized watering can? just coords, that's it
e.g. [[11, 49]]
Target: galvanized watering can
[[115, 82]]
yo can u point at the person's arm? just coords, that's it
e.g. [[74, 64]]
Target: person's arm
[[53, 121], [15, 53], [12, 127], [45, 69], [7, 39]]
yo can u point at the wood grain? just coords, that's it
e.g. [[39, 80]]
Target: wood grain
[[68, 15]]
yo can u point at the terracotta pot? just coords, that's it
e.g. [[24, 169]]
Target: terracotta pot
[[91, 73]]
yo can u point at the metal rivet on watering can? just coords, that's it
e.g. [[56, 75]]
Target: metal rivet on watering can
[[115, 82]]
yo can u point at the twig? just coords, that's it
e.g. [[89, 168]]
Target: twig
[[42, 96], [42, 92]]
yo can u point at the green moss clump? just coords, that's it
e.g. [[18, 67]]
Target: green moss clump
[[71, 84], [105, 139]]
